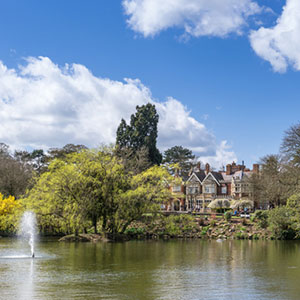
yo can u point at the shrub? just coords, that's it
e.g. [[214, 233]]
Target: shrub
[[212, 222], [204, 231], [134, 231], [227, 216], [261, 217], [201, 222], [172, 229], [282, 223], [244, 221], [294, 201], [241, 236]]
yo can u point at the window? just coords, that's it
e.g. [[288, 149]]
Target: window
[[224, 190], [193, 190], [199, 204], [209, 189], [177, 188]]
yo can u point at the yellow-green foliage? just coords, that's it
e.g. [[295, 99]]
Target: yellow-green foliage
[[10, 212], [92, 186]]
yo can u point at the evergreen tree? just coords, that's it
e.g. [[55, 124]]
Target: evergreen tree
[[181, 156], [140, 134]]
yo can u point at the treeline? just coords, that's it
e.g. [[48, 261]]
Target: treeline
[[18, 168], [279, 176], [278, 186]]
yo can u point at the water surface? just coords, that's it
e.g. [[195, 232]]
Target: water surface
[[151, 270]]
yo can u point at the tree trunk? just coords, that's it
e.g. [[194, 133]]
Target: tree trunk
[[104, 223], [95, 225]]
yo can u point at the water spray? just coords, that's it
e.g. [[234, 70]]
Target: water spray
[[27, 229]]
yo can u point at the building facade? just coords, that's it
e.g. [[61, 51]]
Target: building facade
[[204, 185]]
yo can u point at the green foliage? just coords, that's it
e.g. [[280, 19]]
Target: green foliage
[[282, 222], [241, 235], [140, 134], [177, 224], [261, 218], [134, 231], [204, 231], [212, 222], [294, 201], [89, 187], [227, 216], [179, 155]]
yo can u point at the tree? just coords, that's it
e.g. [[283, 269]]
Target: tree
[[73, 191], [141, 133], [61, 153], [290, 146], [14, 175], [271, 183], [91, 188], [282, 223], [181, 156], [10, 212]]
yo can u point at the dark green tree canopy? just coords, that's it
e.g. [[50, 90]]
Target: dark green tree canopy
[[141, 133], [181, 156]]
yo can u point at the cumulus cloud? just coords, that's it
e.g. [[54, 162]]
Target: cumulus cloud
[[280, 45], [43, 105], [222, 156], [196, 17]]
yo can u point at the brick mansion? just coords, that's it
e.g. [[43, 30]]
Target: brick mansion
[[202, 186]]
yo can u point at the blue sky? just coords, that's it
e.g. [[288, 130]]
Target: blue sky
[[228, 83]]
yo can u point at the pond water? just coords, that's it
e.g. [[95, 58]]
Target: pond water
[[149, 270]]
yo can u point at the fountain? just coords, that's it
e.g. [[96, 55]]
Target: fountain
[[27, 229]]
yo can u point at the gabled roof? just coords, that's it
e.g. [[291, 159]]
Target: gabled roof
[[214, 175], [198, 175], [201, 175]]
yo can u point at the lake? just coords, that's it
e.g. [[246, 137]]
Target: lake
[[147, 270]]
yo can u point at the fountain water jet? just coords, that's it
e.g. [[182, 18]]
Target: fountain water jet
[[27, 229]]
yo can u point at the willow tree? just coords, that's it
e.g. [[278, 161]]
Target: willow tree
[[92, 188]]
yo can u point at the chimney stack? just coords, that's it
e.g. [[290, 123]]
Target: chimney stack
[[255, 168], [207, 168], [228, 169]]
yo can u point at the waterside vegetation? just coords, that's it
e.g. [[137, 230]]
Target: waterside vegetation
[[118, 191]]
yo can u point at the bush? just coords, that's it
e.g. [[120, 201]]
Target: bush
[[134, 231], [204, 231], [201, 222], [212, 222], [261, 217], [282, 223], [294, 201], [241, 236], [227, 216], [244, 221]]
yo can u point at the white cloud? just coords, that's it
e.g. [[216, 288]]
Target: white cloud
[[222, 156], [196, 17], [43, 105], [280, 45]]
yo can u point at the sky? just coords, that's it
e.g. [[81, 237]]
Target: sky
[[223, 74]]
